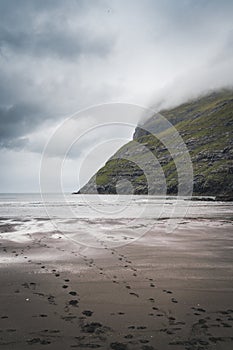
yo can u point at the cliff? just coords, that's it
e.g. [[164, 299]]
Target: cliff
[[205, 125]]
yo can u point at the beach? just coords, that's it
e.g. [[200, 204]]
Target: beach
[[159, 291]]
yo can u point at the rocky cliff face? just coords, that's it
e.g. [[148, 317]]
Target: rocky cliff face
[[205, 125]]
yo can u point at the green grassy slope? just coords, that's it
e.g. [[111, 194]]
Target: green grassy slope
[[206, 126]]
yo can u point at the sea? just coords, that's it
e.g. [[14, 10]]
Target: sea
[[110, 219]]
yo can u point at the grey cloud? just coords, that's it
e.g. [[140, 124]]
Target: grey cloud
[[15, 144], [52, 35], [33, 33], [53, 43], [16, 121]]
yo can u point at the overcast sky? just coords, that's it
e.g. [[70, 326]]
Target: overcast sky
[[59, 57]]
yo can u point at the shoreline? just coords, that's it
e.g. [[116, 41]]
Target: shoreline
[[193, 197]]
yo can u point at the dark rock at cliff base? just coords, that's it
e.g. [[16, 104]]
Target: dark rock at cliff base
[[224, 198]]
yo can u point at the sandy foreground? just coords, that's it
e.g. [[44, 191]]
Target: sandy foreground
[[163, 291]]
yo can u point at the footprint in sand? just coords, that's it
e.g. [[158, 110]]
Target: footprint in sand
[[72, 293], [171, 318], [198, 309], [51, 299], [128, 336], [38, 341], [68, 318], [92, 327], [87, 313], [174, 300], [131, 327], [73, 302], [226, 325], [118, 346], [33, 285], [52, 331], [167, 291]]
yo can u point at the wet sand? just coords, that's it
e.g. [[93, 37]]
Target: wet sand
[[163, 291]]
